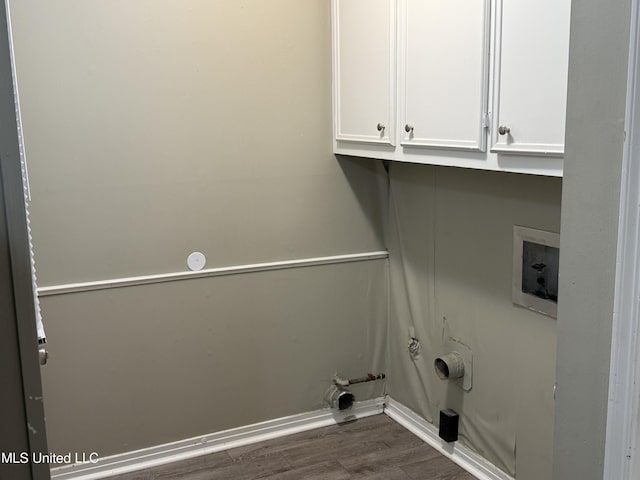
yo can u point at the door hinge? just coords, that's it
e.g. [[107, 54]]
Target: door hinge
[[486, 120]]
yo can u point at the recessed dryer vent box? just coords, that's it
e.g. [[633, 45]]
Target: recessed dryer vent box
[[536, 256]]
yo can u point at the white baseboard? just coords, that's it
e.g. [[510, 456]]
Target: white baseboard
[[215, 442], [461, 455], [237, 437]]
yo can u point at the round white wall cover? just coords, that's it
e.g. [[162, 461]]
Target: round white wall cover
[[196, 261]]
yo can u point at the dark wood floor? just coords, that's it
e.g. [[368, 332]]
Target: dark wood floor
[[373, 448]]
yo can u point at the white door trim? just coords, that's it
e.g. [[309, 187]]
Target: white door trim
[[622, 447]]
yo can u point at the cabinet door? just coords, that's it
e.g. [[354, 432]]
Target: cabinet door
[[444, 79], [531, 76], [364, 70]]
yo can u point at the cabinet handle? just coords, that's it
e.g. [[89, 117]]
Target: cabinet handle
[[380, 127], [504, 130], [408, 128]]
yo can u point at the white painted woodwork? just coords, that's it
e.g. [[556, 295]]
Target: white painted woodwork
[[364, 70], [532, 51], [444, 80], [209, 272], [462, 72], [622, 445]]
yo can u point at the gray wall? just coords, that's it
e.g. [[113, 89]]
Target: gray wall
[[156, 128], [147, 365], [159, 128], [590, 211], [450, 240]]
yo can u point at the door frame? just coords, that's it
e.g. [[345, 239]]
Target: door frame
[[23, 366], [622, 447]]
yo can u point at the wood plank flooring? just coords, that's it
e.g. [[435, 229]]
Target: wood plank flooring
[[373, 448]]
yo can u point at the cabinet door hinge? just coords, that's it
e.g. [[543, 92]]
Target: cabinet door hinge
[[486, 120]]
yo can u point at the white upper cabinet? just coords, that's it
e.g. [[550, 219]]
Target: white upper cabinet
[[470, 83], [444, 59], [530, 88], [364, 65]]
